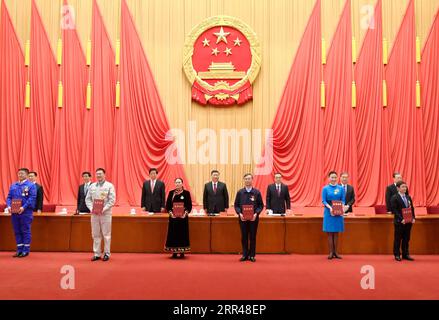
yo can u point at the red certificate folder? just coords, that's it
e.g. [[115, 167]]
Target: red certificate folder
[[407, 214], [15, 206], [178, 209], [248, 211], [337, 208], [98, 206]]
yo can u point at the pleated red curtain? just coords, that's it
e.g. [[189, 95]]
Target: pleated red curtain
[[430, 109], [297, 136], [340, 152], [67, 140], [97, 146], [374, 166], [405, 120], [141, 125], [12, 88], [39, 119]]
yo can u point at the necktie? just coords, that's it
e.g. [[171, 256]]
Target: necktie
[[86, 188], [405, 201], [278, 190], [152, 186], [214, 187]]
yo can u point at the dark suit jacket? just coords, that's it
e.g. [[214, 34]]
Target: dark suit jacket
[[81, 206], [215, 202], [350, 196], [253, 197], [390, 192], [153, 202], [397, 204], [278, 203], [40, 197]]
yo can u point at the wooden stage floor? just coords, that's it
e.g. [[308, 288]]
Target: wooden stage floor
[[143, 233]]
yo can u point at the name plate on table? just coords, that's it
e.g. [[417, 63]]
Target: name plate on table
[[337, 208], [407, 214], [15, 206], [98, 206], [178, 209], [248, 212]]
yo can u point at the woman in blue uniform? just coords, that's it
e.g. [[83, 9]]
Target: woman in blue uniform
[[332, 225]]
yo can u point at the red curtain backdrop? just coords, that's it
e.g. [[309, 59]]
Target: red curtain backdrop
[[340, 152], [369, 141], [141, 124], [12, 86], [39, 119], [297, 134], [97, 148], [430, 108], [374, 166], [67, 141], [405, 120]]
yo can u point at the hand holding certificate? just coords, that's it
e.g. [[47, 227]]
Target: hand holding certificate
[[15, 206], [337, 208], [248, 212], [98, 207], [178, 209], [407, 215]]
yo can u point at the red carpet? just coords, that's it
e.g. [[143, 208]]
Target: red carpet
[[148, 276]]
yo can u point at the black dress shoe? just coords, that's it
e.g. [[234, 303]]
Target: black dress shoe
[[397, 258], [17, 255], [106, 258], [243, 258], [95, 258], [181, 255], [174, 256], [252, 259], [24, 255], [408, 258], [336, 256], [331, 256]]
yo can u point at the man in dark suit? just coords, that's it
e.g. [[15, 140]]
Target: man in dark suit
[[215, 195], [348, 190], [40, 192], [248, 196], [392, 190], [278, 196], [402, 228], [153, 193], [82, 193]]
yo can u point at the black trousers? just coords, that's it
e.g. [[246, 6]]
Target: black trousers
[[402, 238], [248, 234]]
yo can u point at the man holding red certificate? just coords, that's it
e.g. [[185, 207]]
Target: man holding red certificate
[[21, 202], [404, 218], [248, 205], [100, 200]]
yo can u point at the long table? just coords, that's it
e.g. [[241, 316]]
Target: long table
[[143, 233]]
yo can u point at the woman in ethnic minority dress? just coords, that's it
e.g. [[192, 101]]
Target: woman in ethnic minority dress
[[178, 228], [332, 225]]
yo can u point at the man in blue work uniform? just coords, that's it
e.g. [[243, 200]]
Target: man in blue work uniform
[[26, 192]]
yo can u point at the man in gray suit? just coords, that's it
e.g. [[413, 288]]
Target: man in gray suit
[[215, 195]]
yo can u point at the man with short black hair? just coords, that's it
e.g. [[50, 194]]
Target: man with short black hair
[[251, 197], [81, 207], [278, 197], [153, 193], [215, 195], [21, 203], [101, 221], [40, 191], [392, 190], [403, 228]]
